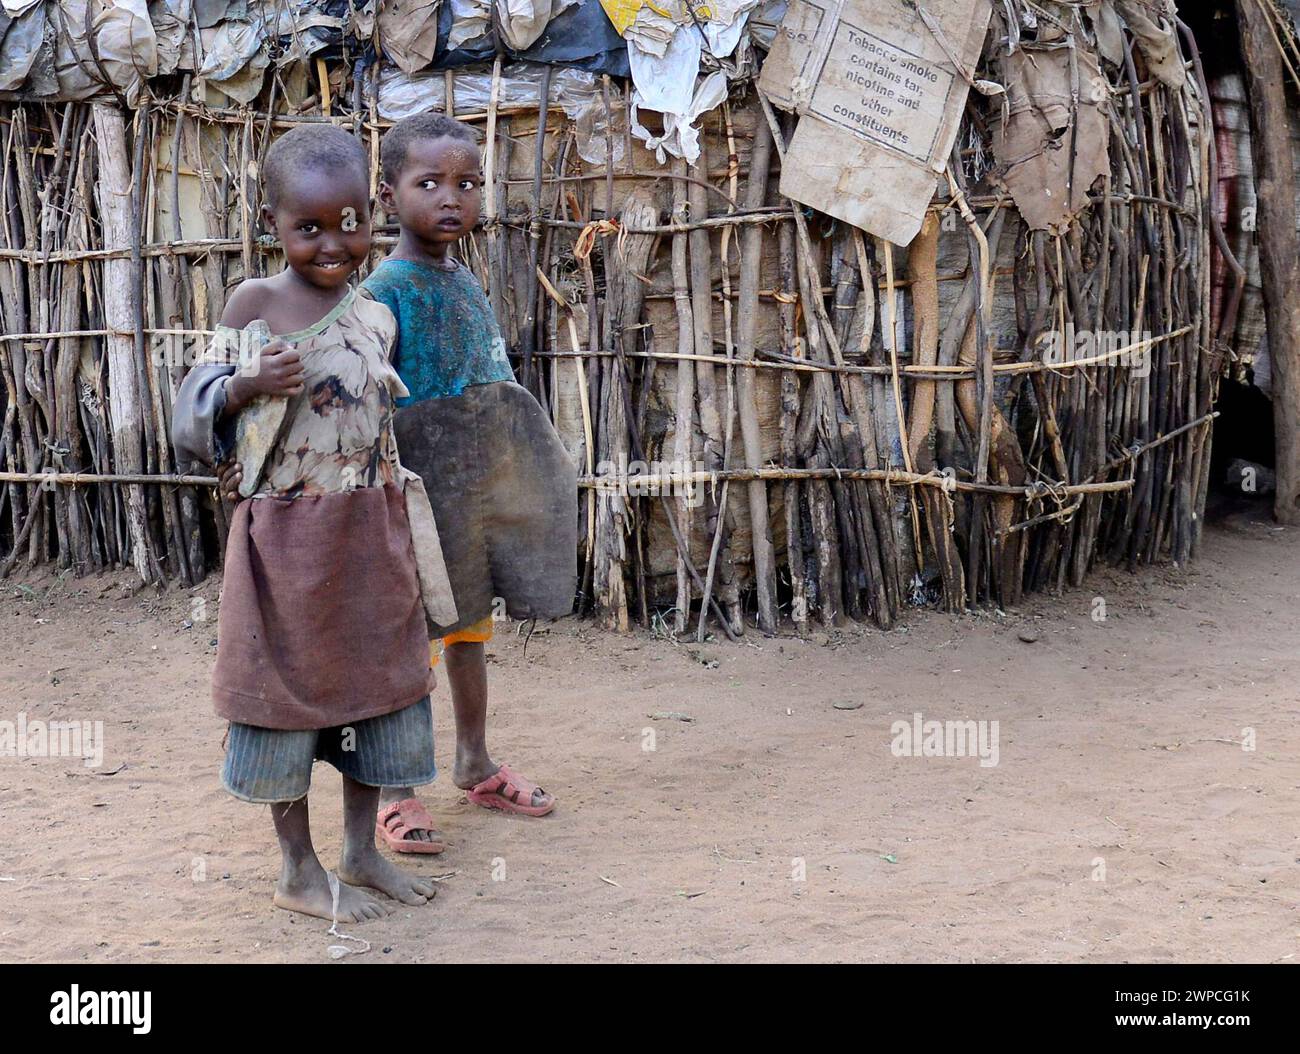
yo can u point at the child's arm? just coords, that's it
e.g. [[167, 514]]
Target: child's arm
[[197, 431], [215, 389], [276, 371]]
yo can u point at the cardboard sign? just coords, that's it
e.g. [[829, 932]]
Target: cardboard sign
[[880, 89]]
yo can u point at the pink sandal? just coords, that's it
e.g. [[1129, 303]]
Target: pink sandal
[[508, 791], [399, 818]]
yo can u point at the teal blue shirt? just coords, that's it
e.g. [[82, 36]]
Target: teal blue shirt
[[447, 335]]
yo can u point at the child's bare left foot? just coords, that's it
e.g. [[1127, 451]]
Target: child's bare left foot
[[309, 892], [367, 868]]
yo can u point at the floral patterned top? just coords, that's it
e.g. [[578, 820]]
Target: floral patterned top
[[322, 619], [338, 431]]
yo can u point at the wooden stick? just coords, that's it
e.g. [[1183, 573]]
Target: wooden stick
[[528, 327], [652, 481], [751, 433], [710, 417], [684, 426], [890, 323], [122, 311], [1279, 255], [789, 420], [52, 478]]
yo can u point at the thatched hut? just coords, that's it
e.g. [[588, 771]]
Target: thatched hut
[[806, 371]]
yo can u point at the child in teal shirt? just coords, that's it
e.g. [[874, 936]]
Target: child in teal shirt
[[502, 486], [448, 338]]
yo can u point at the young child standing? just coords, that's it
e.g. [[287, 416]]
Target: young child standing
[[322, 645], [502, 486]]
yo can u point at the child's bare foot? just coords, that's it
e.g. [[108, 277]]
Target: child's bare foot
[[366, 867], [308, 891], [471, 770]]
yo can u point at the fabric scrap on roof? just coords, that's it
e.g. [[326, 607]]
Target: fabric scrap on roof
[[471, 19], [578, 92], [523, 21], [301, 32], [579, 36], [171, 19], [209, 14], [1108, 30], [21, 37], [125, 54], [408, 32], [235, 59], [1152, 24], [1047, 164]]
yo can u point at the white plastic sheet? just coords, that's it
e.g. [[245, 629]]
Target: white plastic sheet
[[725, 25], [669, 84], [577, 91], [723, 38]]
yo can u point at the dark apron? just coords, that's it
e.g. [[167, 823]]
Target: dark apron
[[505, 494]]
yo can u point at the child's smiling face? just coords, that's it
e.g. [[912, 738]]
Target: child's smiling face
[[323, 222], [439, 192]]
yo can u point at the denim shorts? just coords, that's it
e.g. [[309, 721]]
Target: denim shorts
[[266, 765]]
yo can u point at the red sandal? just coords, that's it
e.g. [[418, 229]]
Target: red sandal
[[396, 820], [508, 791]]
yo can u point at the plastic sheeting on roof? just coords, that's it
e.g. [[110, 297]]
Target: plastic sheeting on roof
[[77, 49], [577, 91]]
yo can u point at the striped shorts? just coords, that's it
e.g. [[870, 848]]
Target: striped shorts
[[266, 765]]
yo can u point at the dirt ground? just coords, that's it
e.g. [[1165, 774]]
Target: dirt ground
[[1123, 821]]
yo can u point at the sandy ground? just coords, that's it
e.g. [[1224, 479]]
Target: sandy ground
[[1123, 821]]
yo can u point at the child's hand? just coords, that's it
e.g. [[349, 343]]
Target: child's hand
[[229, 475], [277, 370]]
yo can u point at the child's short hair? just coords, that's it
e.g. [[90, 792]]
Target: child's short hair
[[398, 139], [311, 146]]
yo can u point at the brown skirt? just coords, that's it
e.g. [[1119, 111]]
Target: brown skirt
[[321, 620]]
